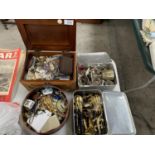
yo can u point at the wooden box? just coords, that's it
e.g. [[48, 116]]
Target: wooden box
[[48, 38]]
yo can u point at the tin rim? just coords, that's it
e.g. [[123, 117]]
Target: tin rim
[[28, 129], [105, 113]]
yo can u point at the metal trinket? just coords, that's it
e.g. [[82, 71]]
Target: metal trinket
[[29, 104], [47, 91], [49, 100], [96, 75], [89, 113], [46, 68]]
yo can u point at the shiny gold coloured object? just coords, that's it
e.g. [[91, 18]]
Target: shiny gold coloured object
[[46, 103], [108, 74], [60, 106], [79, 99], [79, 102], [89, 113]]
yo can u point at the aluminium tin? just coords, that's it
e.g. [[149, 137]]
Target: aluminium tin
[[92, 91], [118, 113], [94, 59]]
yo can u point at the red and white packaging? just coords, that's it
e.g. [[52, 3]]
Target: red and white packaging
[[9, 60]]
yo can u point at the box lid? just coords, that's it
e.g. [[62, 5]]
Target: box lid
[[94, 58], [118, 113], [48, 34]]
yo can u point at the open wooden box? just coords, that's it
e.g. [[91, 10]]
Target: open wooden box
[[48, 37]]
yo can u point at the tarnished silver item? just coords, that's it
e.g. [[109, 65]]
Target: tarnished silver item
[[96, 74], [96, 70], [45, 68]]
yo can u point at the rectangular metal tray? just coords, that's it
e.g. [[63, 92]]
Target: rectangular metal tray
[[118, 113], [96, 58], [90, 91]]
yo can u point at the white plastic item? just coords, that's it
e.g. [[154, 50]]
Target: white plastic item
[[118, 112], [152, 53], [9, 115]]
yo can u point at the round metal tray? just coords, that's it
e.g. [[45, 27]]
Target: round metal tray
[[27, 128]]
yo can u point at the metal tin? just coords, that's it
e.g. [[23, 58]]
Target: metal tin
[[117, 112], [90, 91], [97, 58], [23, 123]]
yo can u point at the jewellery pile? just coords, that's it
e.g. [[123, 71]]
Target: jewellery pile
[[45, 109], [96, 75], [89, 114], [48, 68]]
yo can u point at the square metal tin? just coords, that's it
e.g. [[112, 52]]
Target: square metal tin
[[97, 58]]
